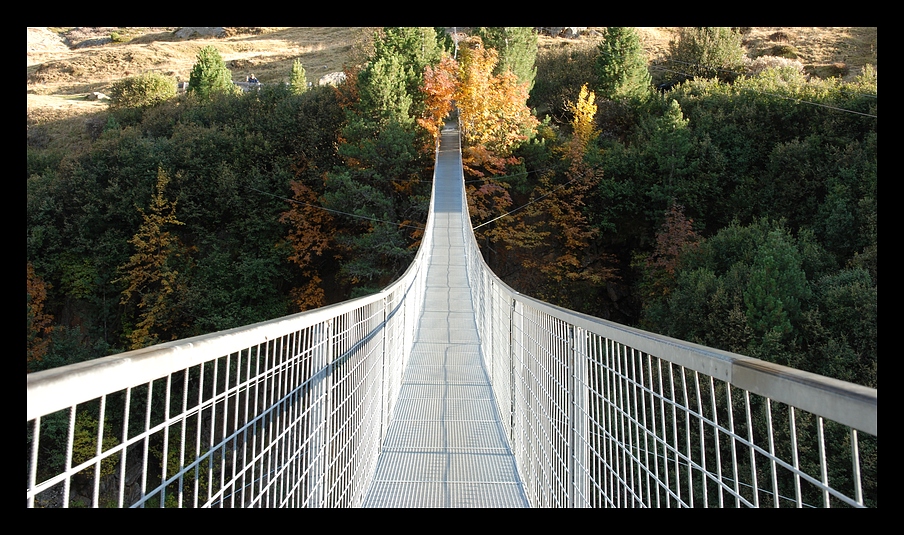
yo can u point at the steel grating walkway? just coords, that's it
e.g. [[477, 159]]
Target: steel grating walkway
[[445, 445]]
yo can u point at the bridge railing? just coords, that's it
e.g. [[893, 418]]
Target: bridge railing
[[289, 412], [603, 415]]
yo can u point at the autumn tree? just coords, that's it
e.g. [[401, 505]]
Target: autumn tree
[[571, 266], [154, 276], [309, 236], [493, 108], [517, 48], [39, 322], [583, 131], [660, 268], [440, 84]]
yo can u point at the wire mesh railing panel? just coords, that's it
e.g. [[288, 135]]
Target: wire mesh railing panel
[[603, 415], [286, 413], [248, 429]]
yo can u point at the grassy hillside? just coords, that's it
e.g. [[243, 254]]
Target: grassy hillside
[[64, 65]]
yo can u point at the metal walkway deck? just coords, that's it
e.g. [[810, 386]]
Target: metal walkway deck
[[446, 446]]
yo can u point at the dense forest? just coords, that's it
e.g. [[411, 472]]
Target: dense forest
[[720, 199]]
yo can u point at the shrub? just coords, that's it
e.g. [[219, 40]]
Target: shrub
[[762, 63], [144, 90], [784, 51], [707, 53]]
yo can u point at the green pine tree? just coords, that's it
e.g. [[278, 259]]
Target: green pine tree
[[210, 75], [517, 48], [621, 65], [298, 81]]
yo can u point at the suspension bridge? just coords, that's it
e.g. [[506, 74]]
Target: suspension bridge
[[446, 389]]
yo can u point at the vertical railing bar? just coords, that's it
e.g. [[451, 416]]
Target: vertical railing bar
[[823, 469], [716, 442], [95, 492], [618, 397], [225, 419], [635, 390], [734, 457], [276, 439], [198, 433], [665, 449], [646, 433], [166, 426], [125, 438], [673, 402], [213, 427], [570, 401], [794, 457], [147, 430], [240, 388], [653, 420], [623, 426], [383, 396], [687, 435], [855, 458], [704, 472], [772, 456], [290, 477], [70, 439], [183, 423], [327, 428], [753, 477], [611, 457], [256, 424], [33, 468]]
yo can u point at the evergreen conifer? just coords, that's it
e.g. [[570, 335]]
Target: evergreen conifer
[[210, 75], [621, 65]]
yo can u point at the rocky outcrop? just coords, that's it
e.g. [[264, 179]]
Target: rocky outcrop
[[570, 32], [195, 31], [333, 78]]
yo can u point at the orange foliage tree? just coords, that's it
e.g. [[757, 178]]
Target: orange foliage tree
[[675, 236], [495, 120], [493, 108], [310, 230], [439, 87], [554, 237], [39, 322]]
